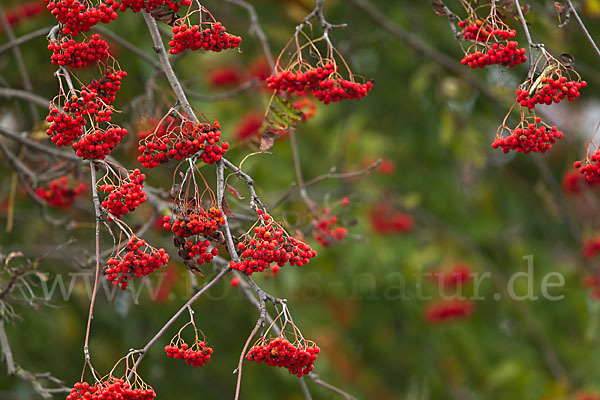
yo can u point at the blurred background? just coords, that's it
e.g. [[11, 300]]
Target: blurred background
[[441, 200]]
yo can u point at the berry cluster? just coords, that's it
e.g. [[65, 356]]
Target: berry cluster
[[279, 352], [127, 196], [214, 38], [76, 16], [150, 5], [135, 263], [270, 245], [593, 282], [327, 231], [507, 54], [74, 54], [591, 169], [88, 104], [108, 85], [200, 249], [183, 142], [575, 183], [529, 137], [320, 82], [99, 144], [59, 193], [64, 129], [197, 357], [445, 310], [475, 30], [112, 389], [591, 247], [551, 91], [196, 222], [23, 11]]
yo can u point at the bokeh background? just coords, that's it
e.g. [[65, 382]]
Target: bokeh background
[[441, 197]]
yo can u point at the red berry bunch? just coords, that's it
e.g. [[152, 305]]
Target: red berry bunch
[[529, 137], [59, 193], [456, 275], [196, 356], [270, 245], [195, 222], [64, 129], [99, 144], [475, 30], [591, 247], [320, 82], [139, 260], [199, 249], [550, 91], [74, 54], [447, 310], [88, 104], [574, 183], [23, 11], [127, 196], [107, 87], [111, 389], [327, 231], [75, 16], [507, 54], [279, 352], [183, 142], [591, 168], [149, 5], [213, 38]]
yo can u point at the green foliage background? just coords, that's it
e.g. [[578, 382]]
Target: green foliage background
[[470, 203]]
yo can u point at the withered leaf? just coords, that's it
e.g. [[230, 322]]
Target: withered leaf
[[236, 193]]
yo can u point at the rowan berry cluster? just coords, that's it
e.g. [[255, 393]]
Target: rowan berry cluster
[[575, 183], [126, 196], [98, 144], [591, 247], [475, 30], [385, 220], [270, 244], [528, 137], [194, 222], [321, 82], [60, 192], [108, 85], [279, 352], [196, 356], [69, 53], [593, 282], [507, 54], [76, 16], [64, 129], [87, 104], [194, 37], [456, 275], [139, 260], [590, 168], [327, 230], [150, 5], [550, 91], [182, 142], [111, 389]]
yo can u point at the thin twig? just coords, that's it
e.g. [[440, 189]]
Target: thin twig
[[583, 27]]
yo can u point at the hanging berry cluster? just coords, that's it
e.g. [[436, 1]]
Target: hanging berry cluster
[[125, 196], [151, 5], [64, 129], [553, 84], [207, 34], [590, 168], [196, 355], [530, 136], [136, 259], [270, 245], [108, 85], [447, 310], [111, 389], [322, 82], [182, 139], [493, 43], [98, 144], [72, 54], [76, 16], [194, 37], [297, 357], [327, 230], [60, 192]]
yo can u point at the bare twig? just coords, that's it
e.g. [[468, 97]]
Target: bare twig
[[127, 45], [256, 30], [24, 95], [298, 168], [24, 39], [572, 10]]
